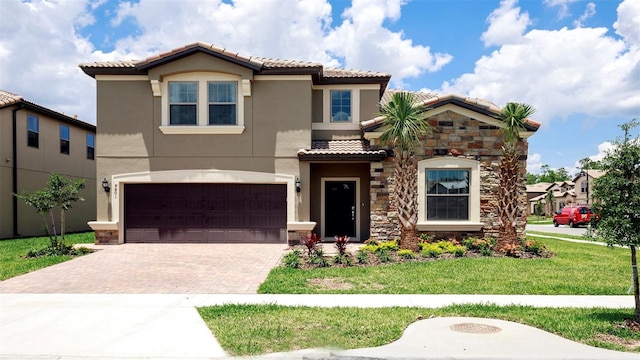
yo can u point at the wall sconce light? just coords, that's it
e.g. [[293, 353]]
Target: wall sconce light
[[105, 185], [298, 185]]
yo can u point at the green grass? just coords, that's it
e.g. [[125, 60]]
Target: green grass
[[577, 269], [539, 220], [13, 263], [556, 235], [258, 329]]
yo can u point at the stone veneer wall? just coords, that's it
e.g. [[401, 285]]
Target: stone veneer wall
[[106, 237], [473, 140]]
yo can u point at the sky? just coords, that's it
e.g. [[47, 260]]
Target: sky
[[577, 62]]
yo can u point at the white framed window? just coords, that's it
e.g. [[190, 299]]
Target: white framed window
[[449, 194], [340, 106], [203, 103]]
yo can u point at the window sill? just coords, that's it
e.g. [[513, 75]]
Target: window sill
[[188, 130], [449, 226]]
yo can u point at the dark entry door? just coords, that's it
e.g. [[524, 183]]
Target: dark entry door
[[340, 208]]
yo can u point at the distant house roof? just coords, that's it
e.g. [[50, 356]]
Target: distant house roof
[[484, 107], [263, 66], [10, 99], [593, 174], [539, 187], [341, 150]]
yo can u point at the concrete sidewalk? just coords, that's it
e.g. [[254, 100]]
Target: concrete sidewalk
[[107, 326]]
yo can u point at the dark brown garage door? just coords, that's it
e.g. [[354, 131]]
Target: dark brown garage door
[[205, 213]]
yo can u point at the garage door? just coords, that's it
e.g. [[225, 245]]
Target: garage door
[[205, 213]]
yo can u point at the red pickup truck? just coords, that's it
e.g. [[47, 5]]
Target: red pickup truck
[[574, 216]]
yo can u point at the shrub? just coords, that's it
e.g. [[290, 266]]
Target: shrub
[[384, 255], [407, 254], [512, 250], [431, 250], [535, 247], [390, 245], [341, 244], [362, 256], [426, 238], [343, 259], [311, 242], [484, 246], [292, 259], [459, 251], [318, 259]]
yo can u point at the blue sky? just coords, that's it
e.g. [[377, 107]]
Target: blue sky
[[577, 62]]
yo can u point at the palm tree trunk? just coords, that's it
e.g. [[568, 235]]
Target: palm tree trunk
[[508, 194], [406, 190]]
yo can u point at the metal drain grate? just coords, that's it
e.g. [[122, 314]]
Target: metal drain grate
[[475, 328]]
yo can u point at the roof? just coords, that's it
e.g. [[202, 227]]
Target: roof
[[10, 99], [593, 174], [259, 65], [341, 150], [539, 187], [430, 100]]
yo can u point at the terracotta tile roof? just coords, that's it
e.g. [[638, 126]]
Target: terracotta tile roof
[[349, 73], [260, 65], [341, 149], [432, 100], [8, 98]]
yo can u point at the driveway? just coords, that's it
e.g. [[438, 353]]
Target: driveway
[[156, 269]]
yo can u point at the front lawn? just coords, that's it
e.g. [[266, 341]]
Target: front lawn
[[259, 329], [577, 269], [12, 252]]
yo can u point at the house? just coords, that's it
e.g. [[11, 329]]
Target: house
[[536, 193], [34, 142], [201, 144], [581, 185]]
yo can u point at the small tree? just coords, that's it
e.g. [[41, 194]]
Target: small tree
[[549, 201], [617, 199], [405, 125], [60, 191], [514, 116]]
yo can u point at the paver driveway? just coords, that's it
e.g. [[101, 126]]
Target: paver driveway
[[156, 269]]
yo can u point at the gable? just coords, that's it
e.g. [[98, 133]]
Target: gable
[[199, 62]]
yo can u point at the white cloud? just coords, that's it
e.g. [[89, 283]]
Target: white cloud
[[563, 6], [506, 25], [534, 163], [562, 72], [589, 12], [39, 56]]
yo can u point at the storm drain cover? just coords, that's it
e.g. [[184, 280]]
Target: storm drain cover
[[475, 328]]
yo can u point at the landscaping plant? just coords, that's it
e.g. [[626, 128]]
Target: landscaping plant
[[514, 116], [404, 126], [617, 199], [60, 192]]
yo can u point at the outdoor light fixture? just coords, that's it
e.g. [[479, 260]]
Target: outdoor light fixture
[[298, 185], [105, 185]]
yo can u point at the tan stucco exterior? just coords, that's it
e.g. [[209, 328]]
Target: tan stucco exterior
[[35, 164]]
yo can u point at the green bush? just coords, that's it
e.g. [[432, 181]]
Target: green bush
[[317, 258], [292, 259], [343, 259], [484, 246], [407, 254], [535, 247], [390, 245], [384, 255], [431, 250], [362, 256]]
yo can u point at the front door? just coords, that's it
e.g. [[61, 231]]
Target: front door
[[340, 208]]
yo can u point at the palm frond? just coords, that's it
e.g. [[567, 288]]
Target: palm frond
[[514, 115], [404, 121]]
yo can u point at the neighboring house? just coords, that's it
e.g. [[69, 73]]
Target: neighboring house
[[536, 192], [582, 187], [35, 142], [201, 144]]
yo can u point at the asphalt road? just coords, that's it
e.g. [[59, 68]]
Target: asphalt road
[[562, 229]]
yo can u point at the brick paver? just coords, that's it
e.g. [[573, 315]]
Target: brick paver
[[156, 269]]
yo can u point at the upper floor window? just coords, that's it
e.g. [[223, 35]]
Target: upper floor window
[[203, 103], [183, 103], [222, 102], [340, 105], [91, 146], [64, 139], [33, 131], [449, 194]]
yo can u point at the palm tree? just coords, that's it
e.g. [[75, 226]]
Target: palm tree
[[404, 126], [514, 116]]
